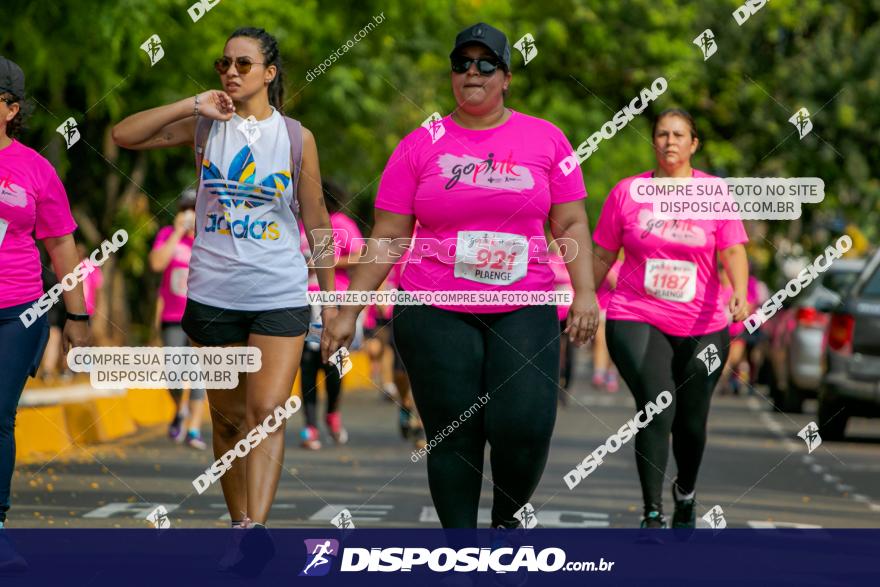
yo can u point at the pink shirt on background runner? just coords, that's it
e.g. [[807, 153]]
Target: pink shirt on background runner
[[33, 204], [392, 282], [632, 225], [448, 185], [172, 290], [752, 295], [91, 284], [561, 282], [348, 239], [603, 294]]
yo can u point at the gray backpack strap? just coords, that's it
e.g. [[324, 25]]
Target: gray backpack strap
[[294, 133], [203, 129]]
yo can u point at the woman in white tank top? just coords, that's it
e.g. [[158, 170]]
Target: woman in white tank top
[[247, 283]]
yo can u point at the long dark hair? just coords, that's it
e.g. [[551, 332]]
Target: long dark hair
[[271, 56]]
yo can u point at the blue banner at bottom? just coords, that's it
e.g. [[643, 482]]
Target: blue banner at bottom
[[435, 557]]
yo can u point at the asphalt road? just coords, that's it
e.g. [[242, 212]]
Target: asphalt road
[[755, 468]]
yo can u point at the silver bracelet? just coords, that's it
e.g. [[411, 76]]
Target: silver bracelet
[[196, 106]]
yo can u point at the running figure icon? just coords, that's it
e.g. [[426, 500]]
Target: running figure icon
[[318, 556]]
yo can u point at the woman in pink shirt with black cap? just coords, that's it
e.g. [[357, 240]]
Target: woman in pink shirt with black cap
[[33, 205], [666, 325], [481, 182]]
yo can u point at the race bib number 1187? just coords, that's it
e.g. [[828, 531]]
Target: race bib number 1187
[[667, 279]]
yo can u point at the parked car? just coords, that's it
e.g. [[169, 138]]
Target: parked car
[[797, 336], [851, 386]]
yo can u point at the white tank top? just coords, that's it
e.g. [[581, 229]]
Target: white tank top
[[246, 254]]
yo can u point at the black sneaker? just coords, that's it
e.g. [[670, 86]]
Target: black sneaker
[[685, 515], [654, 519], [10, 560], [403, 421], [257, 549]]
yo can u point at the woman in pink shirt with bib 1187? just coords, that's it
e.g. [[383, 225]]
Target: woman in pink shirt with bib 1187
[[666, 326]]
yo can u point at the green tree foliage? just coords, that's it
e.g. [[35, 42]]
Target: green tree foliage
[[82, 59]]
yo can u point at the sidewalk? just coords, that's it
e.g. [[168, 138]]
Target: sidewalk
[[55, 420]]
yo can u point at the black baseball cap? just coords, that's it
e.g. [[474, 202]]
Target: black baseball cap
[[488, 36], [11, 78]]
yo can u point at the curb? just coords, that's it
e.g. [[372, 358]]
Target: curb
[[53, 421]]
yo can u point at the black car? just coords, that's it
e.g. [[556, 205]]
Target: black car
[[851, 386], [797, 335]]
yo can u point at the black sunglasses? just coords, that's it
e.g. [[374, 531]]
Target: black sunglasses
[[461, 64], [242, 64]]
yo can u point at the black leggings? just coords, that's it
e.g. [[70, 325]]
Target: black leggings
[[455, 358], [309, 366], [651, 362]]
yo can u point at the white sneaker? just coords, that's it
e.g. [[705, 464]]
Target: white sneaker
[[389, 392]]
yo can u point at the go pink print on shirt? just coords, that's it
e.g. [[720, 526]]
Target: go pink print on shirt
[[487, 173]]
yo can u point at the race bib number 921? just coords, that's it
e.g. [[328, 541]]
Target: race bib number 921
[[495, 258]]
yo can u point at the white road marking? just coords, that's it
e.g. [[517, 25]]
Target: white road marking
[[765, 525], [359, 513], [546, 518], [773, 425], [137, 510]]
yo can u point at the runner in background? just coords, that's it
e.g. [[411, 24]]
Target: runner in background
[[377, 345], [757, 341], [738, 369], [604, 371], [729, 381], [561, 283], [489, 184], [348, 242], [408, 420], [33, 206], [93, 282], [665, 316], [170, 256], [52, 367]]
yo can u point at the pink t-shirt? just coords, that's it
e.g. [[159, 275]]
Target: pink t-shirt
[[347, 239], [603, 294], [669, 277], [561, 282], [33, 204], [477, 192], [91, 284], [752, 298], [172, 290]]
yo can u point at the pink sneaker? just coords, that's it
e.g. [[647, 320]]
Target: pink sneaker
[[337, 431], [599, 379], [612, 385]]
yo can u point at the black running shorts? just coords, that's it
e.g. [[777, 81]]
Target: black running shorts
[[212, 326]]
